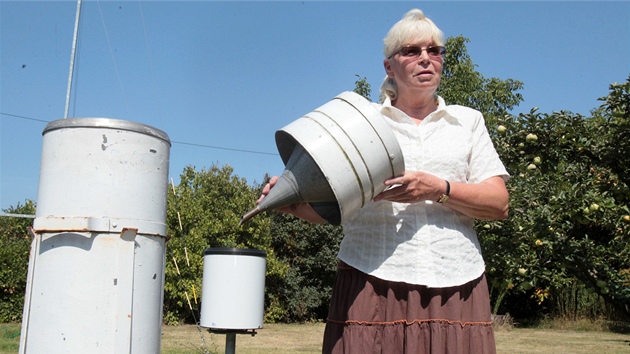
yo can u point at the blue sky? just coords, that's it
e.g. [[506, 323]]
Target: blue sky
[[227, 75]]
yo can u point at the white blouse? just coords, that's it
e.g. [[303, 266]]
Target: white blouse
[[426, 243]]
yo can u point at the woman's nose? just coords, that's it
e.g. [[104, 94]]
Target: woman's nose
[[424, 56]]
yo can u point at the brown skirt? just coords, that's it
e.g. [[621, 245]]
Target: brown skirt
[[371, 315]]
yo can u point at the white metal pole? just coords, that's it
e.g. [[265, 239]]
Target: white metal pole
[[72, 55]]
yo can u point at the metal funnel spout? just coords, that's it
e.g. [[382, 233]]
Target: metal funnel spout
[[301, 181]]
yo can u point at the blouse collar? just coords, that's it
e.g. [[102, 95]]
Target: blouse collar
[[399, 116]]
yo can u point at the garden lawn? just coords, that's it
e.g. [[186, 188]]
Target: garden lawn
[[306, 338]]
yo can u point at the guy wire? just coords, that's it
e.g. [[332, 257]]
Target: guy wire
[[111, 52]]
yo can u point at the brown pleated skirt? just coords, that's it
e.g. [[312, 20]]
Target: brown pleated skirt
[[371, 315]]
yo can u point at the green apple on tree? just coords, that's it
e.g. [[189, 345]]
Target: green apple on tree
[[531, 137], [601, 284]]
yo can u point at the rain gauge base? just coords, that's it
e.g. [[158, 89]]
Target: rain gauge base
[[230, 337]]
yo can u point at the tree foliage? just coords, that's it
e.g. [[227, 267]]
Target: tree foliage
[[362, 87], [613, 128], [462, 84], [14, 251], [569, 198], [204, 211], [310, 255]]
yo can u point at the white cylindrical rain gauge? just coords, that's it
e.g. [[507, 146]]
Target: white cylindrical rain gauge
[[233, 290], [96, 271]]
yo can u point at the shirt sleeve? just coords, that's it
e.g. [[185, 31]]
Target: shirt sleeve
[[484, 159]]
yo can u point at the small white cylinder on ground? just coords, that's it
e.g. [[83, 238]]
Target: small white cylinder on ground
[[233, 289]]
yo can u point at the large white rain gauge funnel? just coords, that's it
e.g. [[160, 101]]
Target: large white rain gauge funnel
[[96, 270], [336, 158], [233, 292]]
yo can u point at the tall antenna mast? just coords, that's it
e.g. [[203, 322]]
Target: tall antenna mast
[[74, 51]]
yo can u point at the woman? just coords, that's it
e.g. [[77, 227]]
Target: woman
[[411, 276]]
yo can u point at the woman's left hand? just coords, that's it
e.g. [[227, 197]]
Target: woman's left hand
[[412, 187]]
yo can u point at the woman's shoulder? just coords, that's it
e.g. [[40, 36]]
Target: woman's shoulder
[[456, 109], [466, 116], [459, 112]]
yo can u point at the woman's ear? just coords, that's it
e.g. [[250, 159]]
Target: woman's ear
[[388, 68]]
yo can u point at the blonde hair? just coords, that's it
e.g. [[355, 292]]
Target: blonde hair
[[413, 27]]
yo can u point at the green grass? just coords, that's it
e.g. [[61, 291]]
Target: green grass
[[553, 337], [9, 337], [273, 338], [530, 341]]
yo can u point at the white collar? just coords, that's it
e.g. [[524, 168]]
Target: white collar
[[399, 116]]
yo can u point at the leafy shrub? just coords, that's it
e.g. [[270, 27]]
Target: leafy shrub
[[303, 292], [14, 252]]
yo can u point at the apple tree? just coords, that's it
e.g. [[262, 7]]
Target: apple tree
[[569, 199]]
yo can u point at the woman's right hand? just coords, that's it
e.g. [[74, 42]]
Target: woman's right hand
[[301, 210]]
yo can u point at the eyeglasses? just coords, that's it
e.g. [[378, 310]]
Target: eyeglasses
[[413, 51]]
